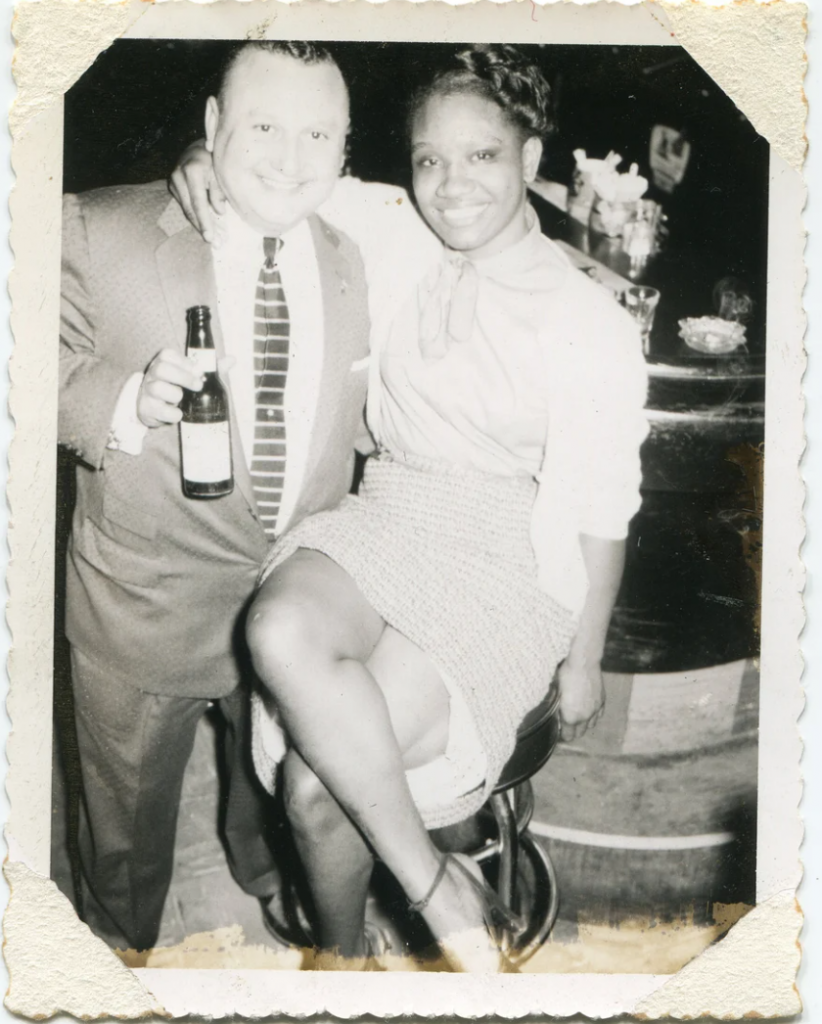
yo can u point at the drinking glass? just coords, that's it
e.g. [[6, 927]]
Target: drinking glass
[[608, 217], [641, 303], [639, 235]]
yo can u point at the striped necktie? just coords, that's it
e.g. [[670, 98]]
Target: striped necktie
[[271, 337]]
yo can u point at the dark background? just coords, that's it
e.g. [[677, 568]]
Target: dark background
[[131, 114]]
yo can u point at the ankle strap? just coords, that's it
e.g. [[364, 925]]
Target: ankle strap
[[419, 905]]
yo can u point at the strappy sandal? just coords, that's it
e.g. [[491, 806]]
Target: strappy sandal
[[377, 944], [501, 923]]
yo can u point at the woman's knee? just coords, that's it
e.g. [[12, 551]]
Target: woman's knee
[[308, 614], [281, 635]]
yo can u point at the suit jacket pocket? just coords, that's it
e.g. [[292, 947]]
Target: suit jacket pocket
[[117, 554], [128, 516]]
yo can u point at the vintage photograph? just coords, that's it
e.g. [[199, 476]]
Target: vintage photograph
[[570, 180], [413, 424]]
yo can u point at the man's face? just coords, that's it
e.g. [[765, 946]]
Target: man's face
[[278, 138]]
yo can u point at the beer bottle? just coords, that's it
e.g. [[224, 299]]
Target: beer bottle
[[205, 439]]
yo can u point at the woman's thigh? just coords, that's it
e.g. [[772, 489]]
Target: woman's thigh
[[311, 609], [416, 695], [311, 604]]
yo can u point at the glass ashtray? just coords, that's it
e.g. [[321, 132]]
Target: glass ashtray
[[711, 335]]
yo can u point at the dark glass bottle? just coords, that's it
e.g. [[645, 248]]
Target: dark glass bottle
[[205, 433]]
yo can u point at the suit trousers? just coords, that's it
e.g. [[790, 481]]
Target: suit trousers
[[134, 747]]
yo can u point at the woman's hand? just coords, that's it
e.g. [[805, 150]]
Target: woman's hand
[[581, 697], [195, 188]]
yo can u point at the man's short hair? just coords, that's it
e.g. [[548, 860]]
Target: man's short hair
[[305, 52]]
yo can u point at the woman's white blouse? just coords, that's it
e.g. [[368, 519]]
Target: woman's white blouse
[[519, 364]]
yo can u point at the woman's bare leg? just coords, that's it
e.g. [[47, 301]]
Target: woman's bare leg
[[311, 633], [336, 859]]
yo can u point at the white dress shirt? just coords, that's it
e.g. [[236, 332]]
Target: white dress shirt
[[237, 264]]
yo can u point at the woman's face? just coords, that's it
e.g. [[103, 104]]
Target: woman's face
[[470, 169]]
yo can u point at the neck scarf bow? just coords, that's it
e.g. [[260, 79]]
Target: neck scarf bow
[[448, 302]]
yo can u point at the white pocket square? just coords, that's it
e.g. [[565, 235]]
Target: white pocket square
[[360, 364]]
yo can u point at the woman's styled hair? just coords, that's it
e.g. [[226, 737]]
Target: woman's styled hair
[[498, 73]]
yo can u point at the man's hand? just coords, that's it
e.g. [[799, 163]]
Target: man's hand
[[160, 394], [581, 697], [195, 188]]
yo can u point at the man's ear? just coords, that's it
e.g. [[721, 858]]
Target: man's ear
[[531, 156], [212, 120]]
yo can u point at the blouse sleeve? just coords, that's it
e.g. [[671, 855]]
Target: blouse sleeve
[[611, 425], [591, 472], [396, 246]]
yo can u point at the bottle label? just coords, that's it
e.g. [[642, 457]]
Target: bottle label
[[204, 359], [206, 449]]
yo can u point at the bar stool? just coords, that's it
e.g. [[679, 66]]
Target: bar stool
[[512, 806], [497, 838]]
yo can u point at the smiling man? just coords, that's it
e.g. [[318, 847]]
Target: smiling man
[[277, 134], [158, 583]]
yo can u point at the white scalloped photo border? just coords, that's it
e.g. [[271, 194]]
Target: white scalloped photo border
[[756, 53]]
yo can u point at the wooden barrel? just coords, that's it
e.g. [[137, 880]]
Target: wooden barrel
[[654, 811]]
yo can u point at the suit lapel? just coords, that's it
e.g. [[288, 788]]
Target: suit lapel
[[338, 352], [186, 271]]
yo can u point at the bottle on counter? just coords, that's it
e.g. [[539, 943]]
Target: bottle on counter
[[205, 433]]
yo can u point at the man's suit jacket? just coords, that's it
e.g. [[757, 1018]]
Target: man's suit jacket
[[157, 583]]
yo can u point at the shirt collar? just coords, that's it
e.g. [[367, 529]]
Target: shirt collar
[[240, 237]]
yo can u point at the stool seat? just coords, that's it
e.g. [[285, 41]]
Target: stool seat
[[537, 738]]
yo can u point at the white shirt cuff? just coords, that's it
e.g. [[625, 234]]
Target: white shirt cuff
[[127, 431]]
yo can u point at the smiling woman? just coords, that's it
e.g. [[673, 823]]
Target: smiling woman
[[470, 182], [476, 142]]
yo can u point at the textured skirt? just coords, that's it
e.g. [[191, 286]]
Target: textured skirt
[[443, 554]]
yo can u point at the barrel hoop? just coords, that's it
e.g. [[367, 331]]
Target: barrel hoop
[[580, 837]]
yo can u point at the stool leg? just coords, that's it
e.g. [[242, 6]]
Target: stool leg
[[544, 912], [523, 805], [521, 798], [508, 844]]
